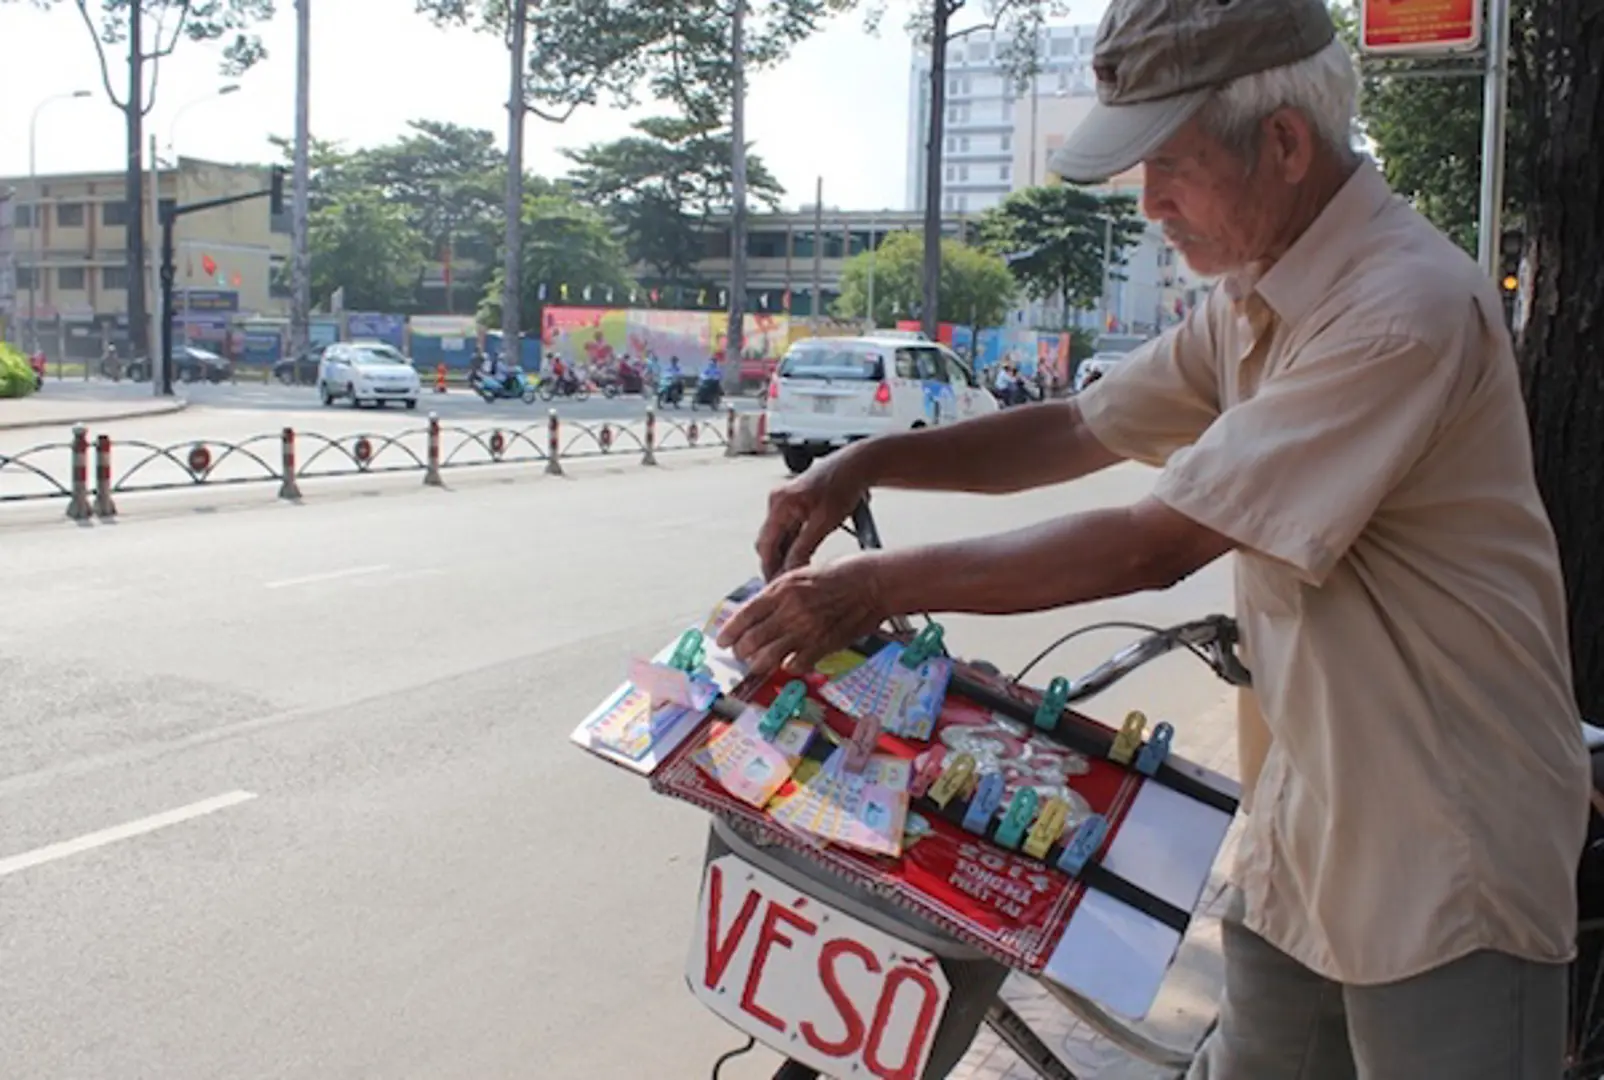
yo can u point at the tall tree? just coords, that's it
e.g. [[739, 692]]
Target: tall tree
[[1017, 25], [363, 243], [661, 185], [147, 32], [976, 287], [1564, 167], [1426, 123], [1055, 239], [568, 247]]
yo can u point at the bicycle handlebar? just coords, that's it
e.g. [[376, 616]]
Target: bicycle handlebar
[[1213, 639]]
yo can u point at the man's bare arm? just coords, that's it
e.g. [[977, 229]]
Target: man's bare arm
[[1012, 450]]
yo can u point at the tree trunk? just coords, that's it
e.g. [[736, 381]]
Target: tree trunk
[[512, 264], [134, 185], [735, 344], [1560, 341], [930, 313]]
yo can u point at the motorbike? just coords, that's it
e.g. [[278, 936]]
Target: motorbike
[[37, 362], [514, 387], [670, 391], [709, 392], [567, 385], [610, 385]]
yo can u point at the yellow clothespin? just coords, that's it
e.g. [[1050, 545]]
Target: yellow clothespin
[[954, 780], [1129, 739], [1047, 828]]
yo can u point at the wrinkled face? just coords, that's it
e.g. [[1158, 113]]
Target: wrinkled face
[[1221, 209]]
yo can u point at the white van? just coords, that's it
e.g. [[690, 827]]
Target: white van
[[828, 392]]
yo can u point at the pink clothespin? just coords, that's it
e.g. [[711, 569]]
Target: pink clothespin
[[926, 770]]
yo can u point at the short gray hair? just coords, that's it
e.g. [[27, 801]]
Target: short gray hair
[[1324, 88]]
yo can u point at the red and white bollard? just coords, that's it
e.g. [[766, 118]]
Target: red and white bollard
[[729, 433], [78, 508], [288, 488], [105, 508], [650, 456], [431, 473], [553, 447]]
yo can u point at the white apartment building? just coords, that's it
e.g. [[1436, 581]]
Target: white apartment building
[[998, 139]]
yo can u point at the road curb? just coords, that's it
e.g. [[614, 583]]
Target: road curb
[[88, 416]]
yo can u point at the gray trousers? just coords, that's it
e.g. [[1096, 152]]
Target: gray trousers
[[1487, 1016]]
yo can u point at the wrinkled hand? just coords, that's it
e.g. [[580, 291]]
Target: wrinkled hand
[[805, 615], [804, 511]]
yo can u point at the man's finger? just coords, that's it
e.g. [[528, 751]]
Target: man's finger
[[775, 539], [748, 615], [768, 659], [807, 541]]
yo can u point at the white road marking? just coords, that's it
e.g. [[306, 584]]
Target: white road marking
[[89, 841], [332, 575]]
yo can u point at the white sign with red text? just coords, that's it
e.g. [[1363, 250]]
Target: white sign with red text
[[820, 987]]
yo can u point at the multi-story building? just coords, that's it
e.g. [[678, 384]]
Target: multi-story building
[[71, 262]]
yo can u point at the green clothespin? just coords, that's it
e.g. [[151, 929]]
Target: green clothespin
[[923, 647], [787, 707], [689, 653], [1052, 704]]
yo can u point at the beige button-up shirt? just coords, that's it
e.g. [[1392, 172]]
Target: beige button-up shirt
[[1353, 420]]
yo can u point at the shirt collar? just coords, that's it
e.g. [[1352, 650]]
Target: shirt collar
[[1300, 278]]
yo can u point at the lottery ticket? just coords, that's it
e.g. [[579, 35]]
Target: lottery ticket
[[749, 766], [850, 809]]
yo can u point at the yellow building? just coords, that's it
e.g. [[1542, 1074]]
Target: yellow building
[[71, 265]]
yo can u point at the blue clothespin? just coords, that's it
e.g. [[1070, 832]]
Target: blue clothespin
[[988, 796], [926, 645], [787, 707], [1089, 836], [1021, 809], [1052, 704], [1156, 750], [689, 652]]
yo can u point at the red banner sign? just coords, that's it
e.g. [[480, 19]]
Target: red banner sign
[[1419, 26]]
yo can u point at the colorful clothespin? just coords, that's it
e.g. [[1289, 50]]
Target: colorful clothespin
[[787, 707], [954, 780], [1129, 738], [1021, 808], [983, 806], [926, 768], [1047, 829], [689, 653], [925, 646], [858, 748], [1156, 750], [1089, 836], [1051, 709]]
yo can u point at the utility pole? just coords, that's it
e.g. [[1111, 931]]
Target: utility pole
[[301, 193], [512, 259], [155, 335], [818, 257], [1494, 119], [735, 342], [874, 254], [134, 179], [930, 315]]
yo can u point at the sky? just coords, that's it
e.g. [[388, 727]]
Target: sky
[[837, 109]]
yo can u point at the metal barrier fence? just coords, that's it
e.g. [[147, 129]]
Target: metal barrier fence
[[289, 457]]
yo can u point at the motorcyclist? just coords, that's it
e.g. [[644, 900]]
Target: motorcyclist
[[670, 386], [499, 376]]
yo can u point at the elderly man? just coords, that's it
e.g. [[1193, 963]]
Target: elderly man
[[1343, 414]]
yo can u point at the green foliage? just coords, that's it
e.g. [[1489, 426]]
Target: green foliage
[[16, 377], [1054, 239], [564, 244], [1427, 131], [165, 24], [659, 186], [976, 287], [363, 243]]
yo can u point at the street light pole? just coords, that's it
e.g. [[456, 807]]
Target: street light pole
[[178, 114], [1494, 117], [33, 212]]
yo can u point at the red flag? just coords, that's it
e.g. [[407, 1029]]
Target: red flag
[[208, 265]]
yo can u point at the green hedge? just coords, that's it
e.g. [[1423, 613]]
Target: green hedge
[[16, 377]]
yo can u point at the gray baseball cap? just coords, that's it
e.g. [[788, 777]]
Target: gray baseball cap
[[1157, 62]]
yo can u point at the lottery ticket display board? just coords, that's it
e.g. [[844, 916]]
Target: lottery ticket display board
[[1109, 930]]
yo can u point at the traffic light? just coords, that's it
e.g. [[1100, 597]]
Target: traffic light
[[1511, 247], [275, 191]]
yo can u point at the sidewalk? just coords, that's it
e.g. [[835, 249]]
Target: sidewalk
[[1186, 1003], [41, 411]]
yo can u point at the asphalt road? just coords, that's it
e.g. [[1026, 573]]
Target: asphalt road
[[381, 857], [457, 405]]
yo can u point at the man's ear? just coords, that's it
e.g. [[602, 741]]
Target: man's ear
[[1289, 139]]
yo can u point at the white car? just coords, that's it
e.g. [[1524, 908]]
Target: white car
[[828, 392], [368, 371], [1094, 367]]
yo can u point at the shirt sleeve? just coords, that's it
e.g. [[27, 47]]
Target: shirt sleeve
[[1161, 397], [1297, 471]]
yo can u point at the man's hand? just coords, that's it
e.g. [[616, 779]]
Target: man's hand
[[806, 614], [805, 511]]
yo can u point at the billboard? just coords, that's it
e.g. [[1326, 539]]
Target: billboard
[[600, 335], [1419, 26]]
